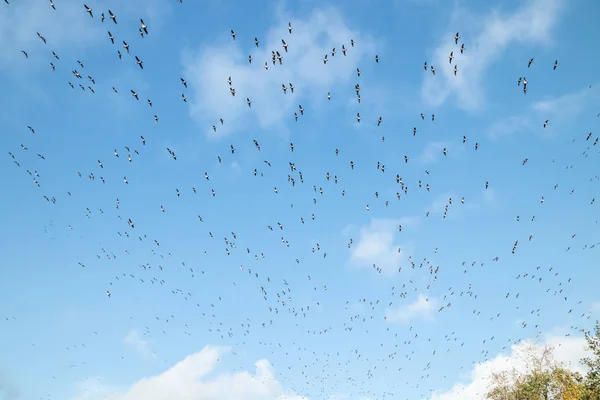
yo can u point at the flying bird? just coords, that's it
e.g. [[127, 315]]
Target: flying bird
[[143, 26], [88, 10]]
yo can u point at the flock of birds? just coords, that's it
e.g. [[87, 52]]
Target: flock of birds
[[314, 373]]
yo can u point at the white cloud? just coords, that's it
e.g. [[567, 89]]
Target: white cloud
[[532, 23], [567, 350], [73, 35], [564, 108], [377, 245], [559, 111], [67, 27], [156, 13], [187, 381], [68, 30], [438, 206], [141, 345], [508, 126], [423, 308], [208, 70]]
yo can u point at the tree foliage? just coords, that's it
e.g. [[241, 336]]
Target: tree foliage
[[540, 377], [592, 379]]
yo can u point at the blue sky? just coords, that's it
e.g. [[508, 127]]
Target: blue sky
[[353, 319]]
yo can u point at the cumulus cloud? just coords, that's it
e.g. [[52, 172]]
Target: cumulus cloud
[[187, 380], [208, 69], [559, 111], [141, 345], [568, 350], [377, 245], [489, 37], [422, 308]]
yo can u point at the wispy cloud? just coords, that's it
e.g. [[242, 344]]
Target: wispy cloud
[[508, 126], [559, 111], [434, 150], [141, 345], [441, 204], [73, 35], [68, 28], [564, 109], [490, 35], [207, 72], [7, 390], [378, 245], [156, 13], [422, 308], [489, 196]]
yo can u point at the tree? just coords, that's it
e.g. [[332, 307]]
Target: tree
[[569, 384], [540, 377], [592, 378]]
